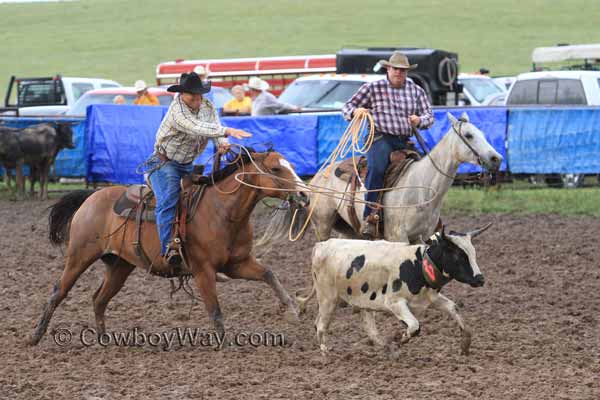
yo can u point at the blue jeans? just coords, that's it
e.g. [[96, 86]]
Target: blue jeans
[[166, 187], [378, 159]]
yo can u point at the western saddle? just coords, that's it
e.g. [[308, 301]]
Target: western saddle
[[399, 162], [138, 202]]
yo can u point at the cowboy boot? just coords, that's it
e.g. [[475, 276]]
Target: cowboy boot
[[173, 255], [369, 229]]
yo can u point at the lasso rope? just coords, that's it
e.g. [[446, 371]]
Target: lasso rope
[[349, 142]]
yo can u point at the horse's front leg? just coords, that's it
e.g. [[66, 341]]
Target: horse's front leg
[[206, 281], [250, 269]]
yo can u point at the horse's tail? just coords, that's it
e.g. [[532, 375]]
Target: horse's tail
[[280, 224], [61, 213]]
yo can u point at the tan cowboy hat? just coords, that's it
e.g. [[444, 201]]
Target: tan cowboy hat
[[140, 85], [200, 70], [398, 60], [257, 84]]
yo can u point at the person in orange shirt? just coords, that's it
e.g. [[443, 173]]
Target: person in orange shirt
[[240, 104], [143, 97]]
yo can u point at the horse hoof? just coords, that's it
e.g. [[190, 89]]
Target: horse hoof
[[222, 277], [465, 343], [301, 309], [32, 341]]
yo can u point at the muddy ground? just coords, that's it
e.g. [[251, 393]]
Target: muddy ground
[[535, 323]]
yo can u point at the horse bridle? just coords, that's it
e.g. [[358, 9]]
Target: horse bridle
[[462, 138]]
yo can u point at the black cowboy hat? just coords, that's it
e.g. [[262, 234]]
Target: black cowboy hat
[[190, 83]]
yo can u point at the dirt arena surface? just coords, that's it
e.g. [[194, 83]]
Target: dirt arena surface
[[535, 325]]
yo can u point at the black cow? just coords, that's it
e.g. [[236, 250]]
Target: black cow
[[11, 156], [36, 146]]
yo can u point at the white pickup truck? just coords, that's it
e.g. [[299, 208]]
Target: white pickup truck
[[48, 95]]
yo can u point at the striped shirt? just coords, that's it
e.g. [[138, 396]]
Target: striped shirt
[[391, 107], [183, 134]]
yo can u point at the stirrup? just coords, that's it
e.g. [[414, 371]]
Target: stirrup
[[369, 229], [173, 256]]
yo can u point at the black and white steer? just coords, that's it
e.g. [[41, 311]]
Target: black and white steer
[[392, 277]]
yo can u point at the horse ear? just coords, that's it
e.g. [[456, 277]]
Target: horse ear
[[464, 117], [453, 120]]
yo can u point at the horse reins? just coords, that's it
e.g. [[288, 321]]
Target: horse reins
[[459, 134]]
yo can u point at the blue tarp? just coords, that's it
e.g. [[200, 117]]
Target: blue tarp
[[121, 137], [491, 121], [554, 140], [69, 162], [294, 136], [540, 140]]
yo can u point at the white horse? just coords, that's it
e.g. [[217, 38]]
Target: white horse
[[412, 207], [411, 212]]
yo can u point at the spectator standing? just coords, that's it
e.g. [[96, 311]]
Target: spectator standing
[[143, 97], [202, 72], [265, 103]]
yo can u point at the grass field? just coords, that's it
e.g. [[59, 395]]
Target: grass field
[[514, 198], [125, 40], [524, 201]]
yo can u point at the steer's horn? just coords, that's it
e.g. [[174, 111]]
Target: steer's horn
[[479, 231]]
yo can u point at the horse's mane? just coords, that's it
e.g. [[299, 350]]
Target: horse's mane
[[237, 160]]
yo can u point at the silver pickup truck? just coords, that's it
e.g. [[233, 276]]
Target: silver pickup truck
[[47, 95]]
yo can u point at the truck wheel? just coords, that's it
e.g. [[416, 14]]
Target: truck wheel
[[572, 181], [569, 181], [535, 179]]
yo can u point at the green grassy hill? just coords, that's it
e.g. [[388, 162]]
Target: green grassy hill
[[124, 40]]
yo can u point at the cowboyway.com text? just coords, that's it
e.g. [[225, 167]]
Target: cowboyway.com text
[[177, 337]]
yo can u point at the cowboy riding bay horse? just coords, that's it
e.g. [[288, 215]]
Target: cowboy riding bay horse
[[218, 236]]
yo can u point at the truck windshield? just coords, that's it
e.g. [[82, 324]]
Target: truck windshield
[[40, 92], [481, 89], [320, 93]]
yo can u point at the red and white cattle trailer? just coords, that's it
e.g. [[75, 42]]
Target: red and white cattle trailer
[[278, 71]]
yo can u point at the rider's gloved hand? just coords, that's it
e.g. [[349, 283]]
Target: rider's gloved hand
[[237, 133], [360, 111], [414, 120]]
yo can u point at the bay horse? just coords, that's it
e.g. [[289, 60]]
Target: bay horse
[[219, 237]]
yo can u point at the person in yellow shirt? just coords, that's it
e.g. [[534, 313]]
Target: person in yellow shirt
[[143, 97], [240, 104]]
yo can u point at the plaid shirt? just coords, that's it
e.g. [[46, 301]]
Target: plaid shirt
[[391, 107], [183, 134]]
